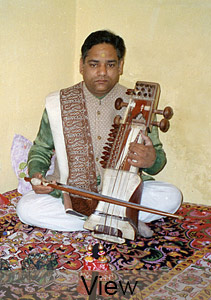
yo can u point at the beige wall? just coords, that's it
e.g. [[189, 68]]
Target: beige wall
[[167, 41], [37, 39]]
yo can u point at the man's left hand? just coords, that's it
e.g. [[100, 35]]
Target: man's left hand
[[142, 155]]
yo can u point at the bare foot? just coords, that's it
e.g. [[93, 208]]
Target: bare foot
[[144, 230]]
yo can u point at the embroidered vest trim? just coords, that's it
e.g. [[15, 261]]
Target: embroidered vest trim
[[79, 147]]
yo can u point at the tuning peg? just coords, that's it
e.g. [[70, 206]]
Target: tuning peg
[[105, 157], [111, 139], [103, 164], [117, 120], [114, 130], [112, 134], [106, 153], [119, 103], [129, 92], [163, 125], [109, 144], [107, 148], [167, 112]]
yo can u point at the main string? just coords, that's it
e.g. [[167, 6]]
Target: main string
[[119, 175], [113, 186], [122, 164], [116, 210]]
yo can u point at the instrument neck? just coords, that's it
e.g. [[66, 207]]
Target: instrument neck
[[126, 134]]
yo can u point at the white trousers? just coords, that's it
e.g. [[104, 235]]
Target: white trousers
[[45, 211]]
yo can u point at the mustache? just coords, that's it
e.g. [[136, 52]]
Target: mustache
[[101, 78]]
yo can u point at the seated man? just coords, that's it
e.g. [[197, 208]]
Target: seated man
[[75, 124]]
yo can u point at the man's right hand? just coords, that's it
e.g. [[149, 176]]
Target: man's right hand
[[41, 189]]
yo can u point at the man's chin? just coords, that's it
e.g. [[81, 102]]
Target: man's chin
[[102, 93], [99, 90]]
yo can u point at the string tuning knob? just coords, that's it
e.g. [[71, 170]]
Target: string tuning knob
[[109, 144], [167, 112], [107, 148], [103, 164], [117, 120], [164, 125], [105, 157], [114, 130], [119, 103], [129, 92], [112, 134], [115, 126], [106, 153]]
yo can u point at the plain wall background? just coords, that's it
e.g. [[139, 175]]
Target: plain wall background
[[168, 41]]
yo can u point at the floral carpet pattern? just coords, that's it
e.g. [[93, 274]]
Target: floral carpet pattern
[[174, 240], [190, 280], [28, 249]]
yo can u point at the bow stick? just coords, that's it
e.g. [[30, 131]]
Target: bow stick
[[99, 197]]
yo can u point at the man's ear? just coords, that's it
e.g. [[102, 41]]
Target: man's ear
[[81, 66], [121, 65]]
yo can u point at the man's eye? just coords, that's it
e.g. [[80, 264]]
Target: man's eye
[[111, 65], [93, 65]]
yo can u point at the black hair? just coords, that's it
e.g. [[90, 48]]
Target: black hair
[[100, 37]]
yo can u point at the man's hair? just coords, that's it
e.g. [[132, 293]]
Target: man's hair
[[100, 37]]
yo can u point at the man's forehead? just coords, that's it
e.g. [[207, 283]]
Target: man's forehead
[[102, 51], [103, 60]]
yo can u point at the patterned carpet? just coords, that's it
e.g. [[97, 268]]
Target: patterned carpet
[[27, 249], [190, 280]]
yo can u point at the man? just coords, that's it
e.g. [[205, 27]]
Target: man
[[75, 125]]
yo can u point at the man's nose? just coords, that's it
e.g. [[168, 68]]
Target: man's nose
[[102, 70]]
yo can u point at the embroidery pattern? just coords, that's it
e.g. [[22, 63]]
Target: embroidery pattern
[[77, 137]]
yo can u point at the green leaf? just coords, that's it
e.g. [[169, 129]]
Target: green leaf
[[22, 165], [22, 175]]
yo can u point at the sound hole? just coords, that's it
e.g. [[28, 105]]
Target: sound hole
[[145, 91], [104, 229]]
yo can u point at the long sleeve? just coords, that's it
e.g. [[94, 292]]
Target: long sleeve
[[39, 158], [40, 154], [160, 161]]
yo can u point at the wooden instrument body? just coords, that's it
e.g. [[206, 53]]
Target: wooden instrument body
[[121, 180], [112, 222]]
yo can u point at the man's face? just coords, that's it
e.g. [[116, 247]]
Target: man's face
[[101, 69]]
